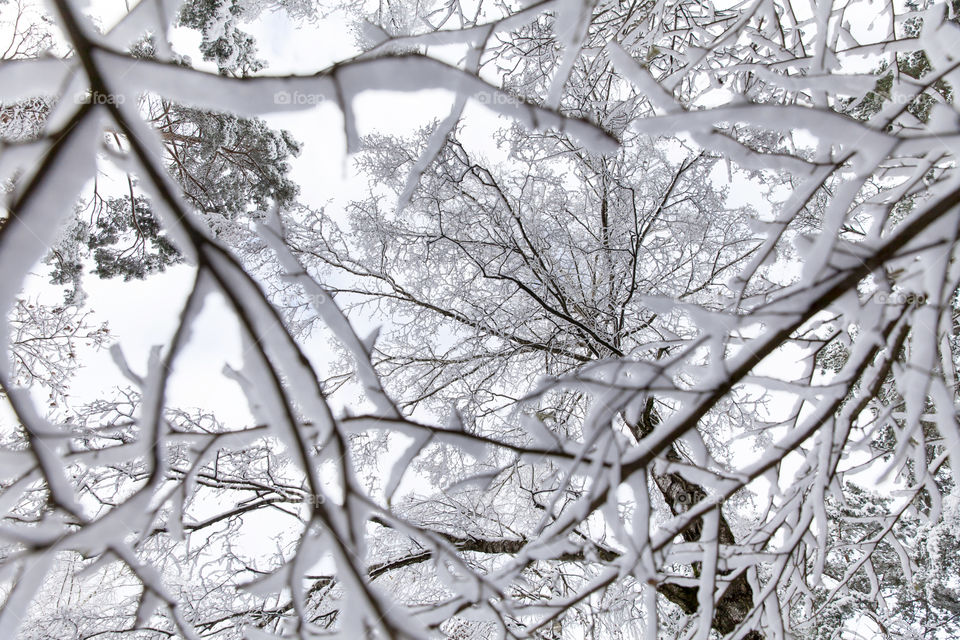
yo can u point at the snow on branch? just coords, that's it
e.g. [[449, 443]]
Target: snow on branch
[[680, 361]]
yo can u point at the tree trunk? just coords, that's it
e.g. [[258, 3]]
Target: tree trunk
[[680, 494]]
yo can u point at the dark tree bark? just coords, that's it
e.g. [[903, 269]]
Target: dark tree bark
[[680, 494]]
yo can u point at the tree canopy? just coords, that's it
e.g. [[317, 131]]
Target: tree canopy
[[666, 314]]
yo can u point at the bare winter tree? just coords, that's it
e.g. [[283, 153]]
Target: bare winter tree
[[608, 401]]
